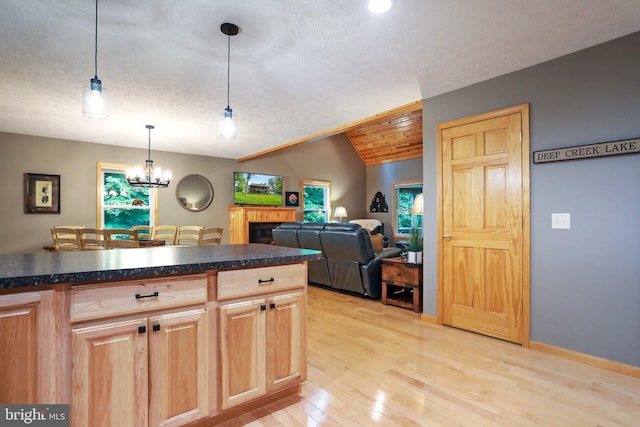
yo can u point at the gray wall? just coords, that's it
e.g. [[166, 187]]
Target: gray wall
[[334, 159], [381, 178], [585, 282]]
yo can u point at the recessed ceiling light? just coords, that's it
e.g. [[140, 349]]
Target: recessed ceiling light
[[380, 6]]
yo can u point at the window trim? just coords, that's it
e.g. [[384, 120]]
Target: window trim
[[316, 183], [102, 167], [401, 184]]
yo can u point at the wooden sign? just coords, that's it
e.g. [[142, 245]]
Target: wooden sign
[[627, 146]]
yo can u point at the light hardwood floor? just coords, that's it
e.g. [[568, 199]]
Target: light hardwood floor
[[371, 364]]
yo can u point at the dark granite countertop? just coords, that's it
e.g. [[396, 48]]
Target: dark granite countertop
[[21, 270]]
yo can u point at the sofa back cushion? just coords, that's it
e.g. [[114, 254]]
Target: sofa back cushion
[[286, 234], [347, 244], [309, 235]]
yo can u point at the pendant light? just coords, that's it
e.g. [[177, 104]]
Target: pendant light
[[94, 100], [148, 177], [227, 126]]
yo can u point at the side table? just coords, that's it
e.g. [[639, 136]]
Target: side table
[[402, 284]]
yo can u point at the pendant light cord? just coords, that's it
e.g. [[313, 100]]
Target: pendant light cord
[[228, 65], [95, 52]]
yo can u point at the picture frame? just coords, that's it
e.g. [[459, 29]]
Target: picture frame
[[292, 198], [41, 193]]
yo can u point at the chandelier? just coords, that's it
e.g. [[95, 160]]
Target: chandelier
[[148, 177]]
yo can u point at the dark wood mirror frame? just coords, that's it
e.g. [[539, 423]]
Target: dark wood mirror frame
[[194, 193]]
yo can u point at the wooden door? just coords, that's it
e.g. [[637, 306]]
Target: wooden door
[[242, 351], [285, 340], [109, 375], [178, 368], [484, 194]]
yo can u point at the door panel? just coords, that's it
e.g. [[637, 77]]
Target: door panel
[[178, 354], [482, 210], [285, 340], [243, 351], [109, 375]]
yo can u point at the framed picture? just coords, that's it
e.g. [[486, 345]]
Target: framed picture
[[41, 193], [292, 198]]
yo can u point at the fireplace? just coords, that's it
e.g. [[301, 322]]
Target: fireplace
[[260, 232]]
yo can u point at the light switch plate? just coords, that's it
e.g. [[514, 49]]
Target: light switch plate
[[561, 221]]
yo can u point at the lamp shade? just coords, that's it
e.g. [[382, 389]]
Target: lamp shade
[[418, 205], [340, 212]]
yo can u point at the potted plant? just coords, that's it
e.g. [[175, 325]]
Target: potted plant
[[414, 246]]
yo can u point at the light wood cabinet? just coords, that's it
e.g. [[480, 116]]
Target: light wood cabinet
[[144, 370], [27, 324], [262, 339], [241, 216]]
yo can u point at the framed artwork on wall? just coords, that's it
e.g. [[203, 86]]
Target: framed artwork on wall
[[292, 198], [41, 193]]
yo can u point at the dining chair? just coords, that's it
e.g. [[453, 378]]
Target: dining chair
[[166, 233], [144, 231], [122, 238], [66, 238], [210, 236], [92, 238], [188, 235]]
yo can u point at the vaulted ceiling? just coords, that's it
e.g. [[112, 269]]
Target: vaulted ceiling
[[299, 69]]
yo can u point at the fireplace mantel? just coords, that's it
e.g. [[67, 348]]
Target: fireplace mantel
[[241, 216]]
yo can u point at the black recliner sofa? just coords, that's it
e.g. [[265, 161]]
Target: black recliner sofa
[[350, 263]]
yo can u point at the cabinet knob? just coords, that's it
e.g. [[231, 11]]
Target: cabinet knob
[[156, 327], [272, 305], [142, 329], [263, 307]]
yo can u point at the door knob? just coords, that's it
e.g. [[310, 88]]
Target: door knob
[[447, 236]]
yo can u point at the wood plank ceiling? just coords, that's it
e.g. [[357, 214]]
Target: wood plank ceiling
[[390, 136], [389, 139]]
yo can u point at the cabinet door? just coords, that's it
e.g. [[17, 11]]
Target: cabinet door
[[242, 351], [109, 374], [286, 340], [178, 367], [26, 336]]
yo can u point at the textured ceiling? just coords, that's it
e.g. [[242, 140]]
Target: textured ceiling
[[298, 67]]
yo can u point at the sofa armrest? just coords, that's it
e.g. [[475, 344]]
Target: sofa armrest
[[388, 253], [372, 272]]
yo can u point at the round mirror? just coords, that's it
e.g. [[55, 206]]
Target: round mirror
[[194, 193]]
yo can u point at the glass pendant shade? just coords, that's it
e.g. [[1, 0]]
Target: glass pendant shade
[[227, 125], [94, 100]]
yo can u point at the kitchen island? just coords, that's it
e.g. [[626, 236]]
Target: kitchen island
[[154, 336]]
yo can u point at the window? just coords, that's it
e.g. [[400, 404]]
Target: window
[[119, 204], [404, 193], [316, 201]]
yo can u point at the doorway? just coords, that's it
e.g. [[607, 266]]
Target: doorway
[[483, 224]]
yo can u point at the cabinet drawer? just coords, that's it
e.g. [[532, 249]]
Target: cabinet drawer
[[113, 299], [400, 274], [261, 280]]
